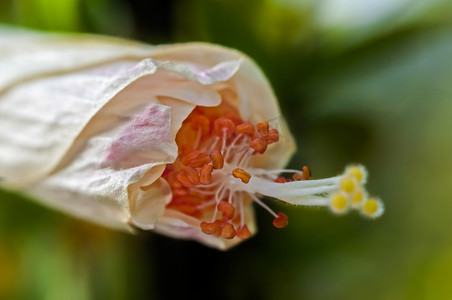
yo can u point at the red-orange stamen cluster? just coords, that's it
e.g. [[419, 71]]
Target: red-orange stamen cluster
[[224, 227], [266, 137], [215, 140]]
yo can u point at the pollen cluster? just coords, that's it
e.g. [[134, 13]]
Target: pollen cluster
[[212, 179], [352, 194]]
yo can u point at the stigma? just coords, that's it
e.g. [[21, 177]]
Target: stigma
[[213, 178]]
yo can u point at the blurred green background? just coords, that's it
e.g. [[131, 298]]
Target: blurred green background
[[358, 81]]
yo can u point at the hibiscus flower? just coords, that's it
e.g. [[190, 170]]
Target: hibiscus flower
[[181, 139]]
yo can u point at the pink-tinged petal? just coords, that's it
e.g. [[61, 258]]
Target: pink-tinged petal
[[148, 139]]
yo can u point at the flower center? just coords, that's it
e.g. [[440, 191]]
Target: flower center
[[212, 180]]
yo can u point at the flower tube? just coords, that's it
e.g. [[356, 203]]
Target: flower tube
[[180, 139]]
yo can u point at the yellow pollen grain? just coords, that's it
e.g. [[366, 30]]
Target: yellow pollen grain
[[370, 207], [357, 173], [357, 197], [347, 185], [338, 202]]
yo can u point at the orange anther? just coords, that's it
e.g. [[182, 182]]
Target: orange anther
[[180, 192], [186, 209], [184, 149], [191, 155], [224, 125], [281, 179], [172, 180], [227, 209], [211, 228], [262, 128], [205, 176], [200, 122], [280, 221], [298, 176], [182, 178], [273, 136], [259, 144], [192, 175], [176, 184], [306, 173], [196, 159], [217, 159], [245, 128], [201, 160], [242, 175], [243, 232], [228, 231], [199, 196], [187, 199]]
